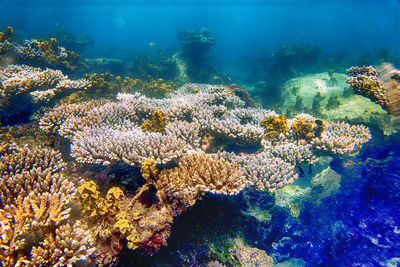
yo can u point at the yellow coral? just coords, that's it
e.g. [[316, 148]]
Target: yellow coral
[[148, 169], [89, 196], [6, 34], [303, 129], [150, 87], [157, 123], [275, 123]]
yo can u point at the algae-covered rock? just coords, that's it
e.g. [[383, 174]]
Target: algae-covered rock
[[290, 194], [250, 256], [329, 180], [327, 95]]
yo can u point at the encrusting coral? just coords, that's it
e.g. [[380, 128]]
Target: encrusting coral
[[381, 85], [34, 211]]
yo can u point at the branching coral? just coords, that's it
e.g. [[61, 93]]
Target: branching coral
[[35, 200], [6, 34], [46, 53], [341, 138], [111, 132], [42, 85], [198, 173], [381, 86]]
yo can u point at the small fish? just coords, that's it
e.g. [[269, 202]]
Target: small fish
[[152, 44], [301, 172], [159, 51]]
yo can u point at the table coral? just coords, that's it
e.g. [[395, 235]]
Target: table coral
[[41, 84]]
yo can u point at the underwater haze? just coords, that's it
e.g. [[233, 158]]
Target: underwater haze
[[242, 28], [200, 133]]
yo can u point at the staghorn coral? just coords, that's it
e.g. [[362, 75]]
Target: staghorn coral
[[69, 244], [380, 85], [34, 206], [341, 138], [263, 171], [132, 146], [198, 173], [60, 114], [42, 85]]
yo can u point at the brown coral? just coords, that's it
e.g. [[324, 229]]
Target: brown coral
[[198, 173], [380, 85], [35, 200]]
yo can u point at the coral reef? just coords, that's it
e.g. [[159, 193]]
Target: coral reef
[[46, 53], [27, 86], [34, 211], [110, 133], [6, 34], [381, 86], [109, 85]]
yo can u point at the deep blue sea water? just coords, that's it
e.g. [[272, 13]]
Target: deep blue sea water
[[357, 225], [243, 29]]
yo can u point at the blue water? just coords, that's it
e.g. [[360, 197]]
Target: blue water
[[242, 28]]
